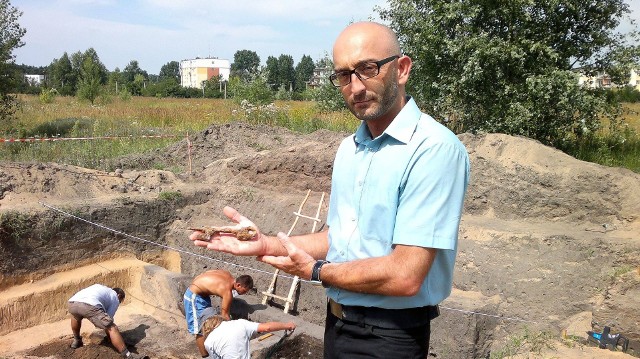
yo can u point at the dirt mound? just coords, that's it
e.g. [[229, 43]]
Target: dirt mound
[[547, 242]]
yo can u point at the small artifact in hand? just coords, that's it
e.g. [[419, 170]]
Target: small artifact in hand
[[242, 233]]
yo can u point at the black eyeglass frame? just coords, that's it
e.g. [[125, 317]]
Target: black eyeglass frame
[[334, 76]]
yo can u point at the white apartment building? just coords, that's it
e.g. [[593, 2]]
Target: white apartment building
[[195, 71]]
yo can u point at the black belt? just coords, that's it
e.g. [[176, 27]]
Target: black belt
[[384, 318]]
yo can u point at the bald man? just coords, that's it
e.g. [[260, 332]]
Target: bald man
[[397, 194]]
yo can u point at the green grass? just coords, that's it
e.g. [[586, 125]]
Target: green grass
[[14, 225], [169, 195], [127, 120], [618, 148], [528, 341], [618, 271]]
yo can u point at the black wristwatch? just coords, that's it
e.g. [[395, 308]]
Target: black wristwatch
[[315, 272]]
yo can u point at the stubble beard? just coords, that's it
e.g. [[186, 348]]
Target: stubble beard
[[387, 100]]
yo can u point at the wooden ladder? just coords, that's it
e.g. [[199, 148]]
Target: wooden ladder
[[270, 293]]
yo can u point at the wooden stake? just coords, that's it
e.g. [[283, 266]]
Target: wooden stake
[[189, 152]]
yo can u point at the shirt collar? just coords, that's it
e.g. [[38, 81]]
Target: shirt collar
[[401, 128]]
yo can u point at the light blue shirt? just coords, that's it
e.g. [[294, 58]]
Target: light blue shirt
[[405, 187]]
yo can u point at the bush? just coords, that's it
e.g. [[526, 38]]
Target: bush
[[60, 127], [328, 98], [9, 104], [255, 92], [125, 95], [627, 94], [48, 95]]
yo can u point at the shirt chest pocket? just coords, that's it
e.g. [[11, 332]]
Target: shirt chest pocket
[[377, 205]]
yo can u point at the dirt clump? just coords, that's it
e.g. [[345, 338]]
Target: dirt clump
[[301, 346]]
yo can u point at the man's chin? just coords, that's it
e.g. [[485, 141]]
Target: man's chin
[[367, 116], [363, 113]]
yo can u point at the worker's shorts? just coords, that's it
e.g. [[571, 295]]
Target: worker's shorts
[[193, 306], [94, 314]]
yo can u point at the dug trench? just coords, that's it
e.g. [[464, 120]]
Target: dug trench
[[548, 246]]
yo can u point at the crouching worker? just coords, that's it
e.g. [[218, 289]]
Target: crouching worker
[[98, 304], [197, 299], [230, 339]]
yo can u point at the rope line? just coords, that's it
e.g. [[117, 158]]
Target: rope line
[[247, 267], [159, 244], [53, 139]]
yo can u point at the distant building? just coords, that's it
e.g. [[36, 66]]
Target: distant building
[[34, 80], [194, 72], [603, 80], [320, 76], [634, 79]]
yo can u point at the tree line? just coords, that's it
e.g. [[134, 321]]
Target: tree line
[[82, 74], [479, 66]]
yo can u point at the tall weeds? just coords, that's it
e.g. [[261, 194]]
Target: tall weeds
[[130, 118], [616, 144]]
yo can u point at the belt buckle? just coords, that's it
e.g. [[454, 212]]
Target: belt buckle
[[336, 308]]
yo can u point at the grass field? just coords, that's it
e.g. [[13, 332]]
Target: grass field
[[631, 115], [146, 116], [141, 116]]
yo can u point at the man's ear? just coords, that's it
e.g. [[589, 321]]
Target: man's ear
[[404, 68]]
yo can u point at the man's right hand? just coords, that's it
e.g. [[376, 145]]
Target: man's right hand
[[226, 242]]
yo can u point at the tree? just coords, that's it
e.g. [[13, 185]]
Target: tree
[[256, 92], [286, 72], [116, 80], [101, 70], [213, 88], [327, 96], [77, 58], [511, 66], [272, 73], [304, 71], [93, 75], [61, 76], [129, 74], [10, 39], [170, 70], [245, 64]]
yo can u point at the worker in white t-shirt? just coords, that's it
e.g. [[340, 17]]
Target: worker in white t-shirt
[[230, 339]]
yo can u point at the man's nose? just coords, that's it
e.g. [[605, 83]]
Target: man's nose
[[357, 84]]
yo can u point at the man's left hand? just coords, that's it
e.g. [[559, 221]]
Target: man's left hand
[[297, 262]]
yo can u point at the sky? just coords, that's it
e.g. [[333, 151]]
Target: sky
[[155, 32]]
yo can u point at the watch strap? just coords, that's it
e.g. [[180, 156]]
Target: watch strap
[[315, 271]]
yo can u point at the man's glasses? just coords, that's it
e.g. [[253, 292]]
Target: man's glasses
[[364, 71]]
